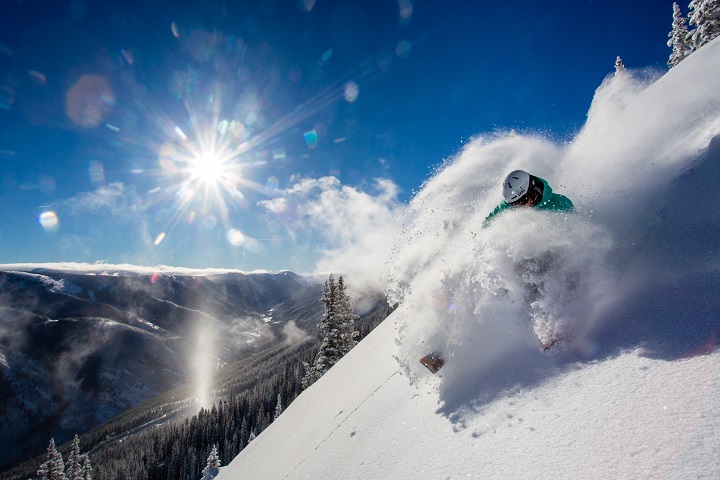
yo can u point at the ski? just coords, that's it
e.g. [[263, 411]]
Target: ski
[[555, 343], [433, 362]]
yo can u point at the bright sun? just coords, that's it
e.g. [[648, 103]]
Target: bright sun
[[209, 168]]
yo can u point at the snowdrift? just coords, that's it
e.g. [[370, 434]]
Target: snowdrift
[[631, 278]]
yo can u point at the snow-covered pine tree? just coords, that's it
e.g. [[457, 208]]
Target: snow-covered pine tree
[[678, 38], [235, 446], [73, 465], [213, 464], [705, 15], [87, 469], [619, 67], [244, 432], [328, 353], [278, 407], [54, 467], [345, 319], [337, 329]]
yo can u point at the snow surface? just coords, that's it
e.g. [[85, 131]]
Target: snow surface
[[631, 278]]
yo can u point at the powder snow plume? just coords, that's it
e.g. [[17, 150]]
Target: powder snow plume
[[626, 262]]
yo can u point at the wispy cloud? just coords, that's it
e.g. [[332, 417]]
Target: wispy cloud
[[115, 199], [102, 217]]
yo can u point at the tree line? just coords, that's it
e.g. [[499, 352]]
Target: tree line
[[704, 15], [77, 466]]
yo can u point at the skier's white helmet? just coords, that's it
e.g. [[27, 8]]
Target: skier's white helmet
[[516, 185]]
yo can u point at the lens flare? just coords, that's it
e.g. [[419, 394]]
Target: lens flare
[[311, 137], [272, 186], [97, 173], [403, 49], [89, 101], [235, 237], [180, 133], [279, 154], [7, 97], [38, 77], [406, 9], [159, 239], [351, 91], [326, 56], [237, 129], [49, 221], [209, 222]]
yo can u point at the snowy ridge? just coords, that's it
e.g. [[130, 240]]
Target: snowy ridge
[[63, 286], [631, 278]]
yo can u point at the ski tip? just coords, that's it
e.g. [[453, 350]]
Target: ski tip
[[555, 344], [433, 362]]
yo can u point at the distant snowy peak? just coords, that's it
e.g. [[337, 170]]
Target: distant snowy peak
[[57, 286]]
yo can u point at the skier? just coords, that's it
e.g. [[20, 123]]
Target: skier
[[520, 189]]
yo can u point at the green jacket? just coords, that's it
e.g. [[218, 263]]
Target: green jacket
[[550, 201]]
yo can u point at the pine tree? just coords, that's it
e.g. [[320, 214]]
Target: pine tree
[[213, 464], [244, 432], [345, 319], [619, 67], [679, 38], [54, 467], [328, 350], [73, 466], [705, 15], [87, 469], [278, 407], [337, 329]]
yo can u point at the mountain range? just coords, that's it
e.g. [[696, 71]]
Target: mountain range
[[78, 348]]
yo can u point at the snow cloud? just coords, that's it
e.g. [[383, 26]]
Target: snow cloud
[[625, 264], [354, 228]]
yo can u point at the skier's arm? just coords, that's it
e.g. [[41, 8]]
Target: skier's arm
[[503, 206]]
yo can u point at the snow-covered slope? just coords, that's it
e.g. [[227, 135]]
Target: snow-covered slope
[[627, 417], [632, 278]]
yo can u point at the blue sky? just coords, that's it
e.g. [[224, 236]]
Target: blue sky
[[199, 134]]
